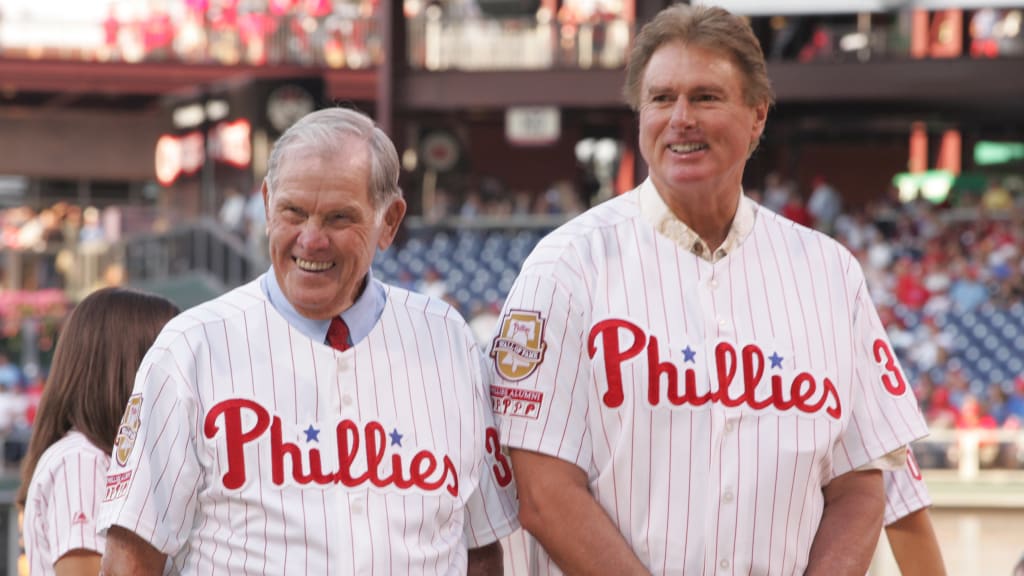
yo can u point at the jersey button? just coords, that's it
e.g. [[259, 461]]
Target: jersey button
[[713, 284], [724, 564], [727, 496], [722, 322], [346, 399], [357, 508], [728, 426]]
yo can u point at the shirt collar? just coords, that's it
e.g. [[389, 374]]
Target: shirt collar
[[655, 211], [361, 317]]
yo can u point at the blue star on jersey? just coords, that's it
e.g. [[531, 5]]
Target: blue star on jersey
[[396, 438], [689, 355], [312, 434], [776, 360]]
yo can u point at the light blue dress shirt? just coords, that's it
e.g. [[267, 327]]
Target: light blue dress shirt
[[361, 317]]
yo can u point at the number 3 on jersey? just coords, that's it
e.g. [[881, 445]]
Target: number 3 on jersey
[[502, 470], [887, 360]]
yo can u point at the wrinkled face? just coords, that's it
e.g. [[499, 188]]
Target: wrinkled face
[[696, 129], [323, 229]]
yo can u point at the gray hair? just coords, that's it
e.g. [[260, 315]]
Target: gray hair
[[328, 129]]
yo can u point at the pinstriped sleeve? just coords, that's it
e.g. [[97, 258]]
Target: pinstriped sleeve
[[539, 393], [884, 414], [905, 491], [74, 497], [492, 508], [154, 473]]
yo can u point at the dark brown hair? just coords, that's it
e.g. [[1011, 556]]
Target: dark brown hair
[[709, 27], [98, 352]]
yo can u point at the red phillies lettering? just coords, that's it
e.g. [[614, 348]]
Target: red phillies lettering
[[232, 410], [614, 356], [423, 471], [656, 368], [805, 392]]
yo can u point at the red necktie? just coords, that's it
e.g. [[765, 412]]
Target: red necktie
[[337, 334]]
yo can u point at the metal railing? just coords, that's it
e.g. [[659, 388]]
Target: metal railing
[[437, 43], [202, 246], [198, 248], [971, 452]]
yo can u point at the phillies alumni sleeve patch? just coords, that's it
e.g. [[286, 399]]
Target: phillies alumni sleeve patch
[[128, 431], [516, 402], [519, 349], [117, 485]]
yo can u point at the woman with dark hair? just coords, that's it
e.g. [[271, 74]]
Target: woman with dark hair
[[64, 472]]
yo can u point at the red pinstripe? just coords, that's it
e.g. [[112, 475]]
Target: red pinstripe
[[68, 481]]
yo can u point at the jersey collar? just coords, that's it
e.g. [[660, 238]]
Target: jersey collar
[[659, 215], [361, 317]]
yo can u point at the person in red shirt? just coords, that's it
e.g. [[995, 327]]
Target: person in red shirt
[[111, 33], [910, 289], [796, 211]]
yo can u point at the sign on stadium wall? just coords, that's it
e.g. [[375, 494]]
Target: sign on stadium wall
[[183, 155], [533, 125]]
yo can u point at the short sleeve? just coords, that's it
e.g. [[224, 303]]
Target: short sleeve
[[885, 414], [75, 494], [540, 366], [491, 509], [154, 473], [905, 491]]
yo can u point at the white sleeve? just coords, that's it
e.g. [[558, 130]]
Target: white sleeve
[[539, 396], [154, 473], [905, 491], [76, 491], [884, 412], [492, 509]]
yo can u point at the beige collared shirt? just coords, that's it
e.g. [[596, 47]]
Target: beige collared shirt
[[657, 212]]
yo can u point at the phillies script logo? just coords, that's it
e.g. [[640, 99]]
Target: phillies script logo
[[678, 384], [128, 431], [358, 449], [520, 348]]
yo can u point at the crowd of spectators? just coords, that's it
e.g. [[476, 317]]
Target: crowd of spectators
[[228, 32], [49, 242], [928, 265], [491, 199]]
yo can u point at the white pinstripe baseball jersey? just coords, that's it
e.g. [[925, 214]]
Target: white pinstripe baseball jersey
[[63, 499], [905, 491], [260, 451], [708, 402]]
